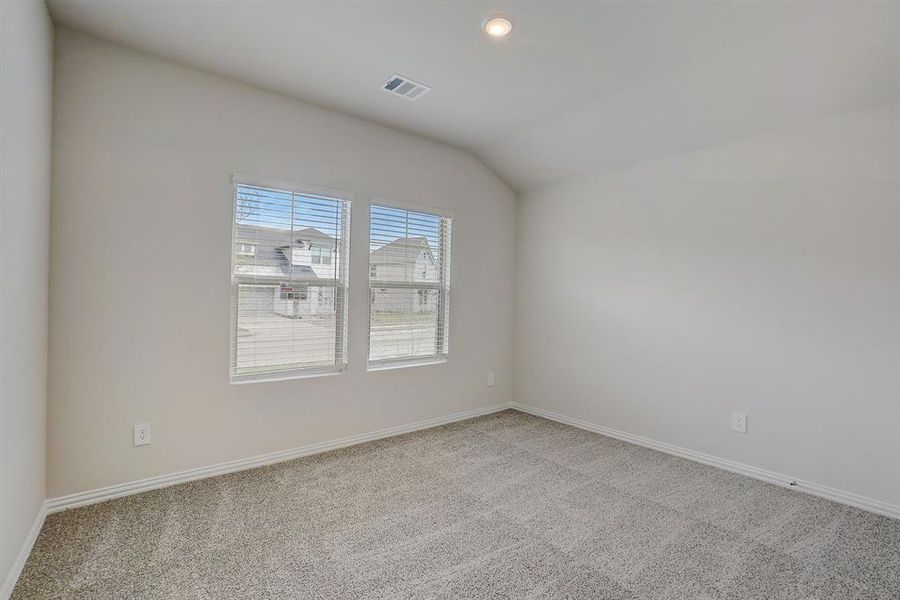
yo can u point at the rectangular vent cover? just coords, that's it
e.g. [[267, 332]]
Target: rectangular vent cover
[[406, 87]]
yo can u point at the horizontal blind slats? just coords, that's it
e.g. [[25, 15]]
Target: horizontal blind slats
[[290, 258], [408, 285]]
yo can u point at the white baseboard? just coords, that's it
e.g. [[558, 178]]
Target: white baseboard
[[809, 487], [152, 483], [143, 485], [16, 569]]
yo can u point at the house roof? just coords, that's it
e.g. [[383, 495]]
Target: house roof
[[272, 257], [401, 250], [314, 235], [252, 233]]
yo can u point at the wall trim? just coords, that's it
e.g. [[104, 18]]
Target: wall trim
[[53, 505], [16, 569], [151, 483], [822, 491]]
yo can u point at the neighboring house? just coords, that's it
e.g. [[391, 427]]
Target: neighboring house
[[403, 260], [293, 276], [284, 269]]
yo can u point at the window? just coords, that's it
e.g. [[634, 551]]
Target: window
[[321, 255], [409, 286], [245, 249], [288, 317]]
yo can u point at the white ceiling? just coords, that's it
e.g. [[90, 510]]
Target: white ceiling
[[577, 89]]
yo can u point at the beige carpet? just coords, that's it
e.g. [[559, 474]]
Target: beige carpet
[[503, 506]]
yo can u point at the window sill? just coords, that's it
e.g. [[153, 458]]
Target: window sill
[[243, 379], [407, 364]]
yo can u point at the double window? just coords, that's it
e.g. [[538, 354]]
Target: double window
[[290, 280]]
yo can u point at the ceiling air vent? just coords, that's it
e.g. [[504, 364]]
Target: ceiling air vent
[[406, 87]]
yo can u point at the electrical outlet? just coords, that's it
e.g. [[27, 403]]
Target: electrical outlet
[[490, 379], [141, 434], [739, 422]]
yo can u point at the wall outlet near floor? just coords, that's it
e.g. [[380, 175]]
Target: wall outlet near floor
[[141, 434], [739, 422], [490, 379]]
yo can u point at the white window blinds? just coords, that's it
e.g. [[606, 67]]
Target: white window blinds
[[290, 253], [409, 286]]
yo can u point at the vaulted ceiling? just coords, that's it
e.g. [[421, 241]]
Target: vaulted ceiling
[[578, 88]]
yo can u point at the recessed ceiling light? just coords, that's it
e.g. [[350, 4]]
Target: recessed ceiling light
[[497, 26]]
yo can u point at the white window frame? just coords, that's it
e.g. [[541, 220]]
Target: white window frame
[[247, 249], [341, 285], [442, 287]]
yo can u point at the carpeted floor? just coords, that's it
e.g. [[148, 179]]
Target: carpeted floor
[[503, 506]]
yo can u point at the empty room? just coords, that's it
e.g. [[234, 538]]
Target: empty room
[[397, 299]]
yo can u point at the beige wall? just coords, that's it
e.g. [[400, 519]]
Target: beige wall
[[140, 255], [26, 53], [760, 276]]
